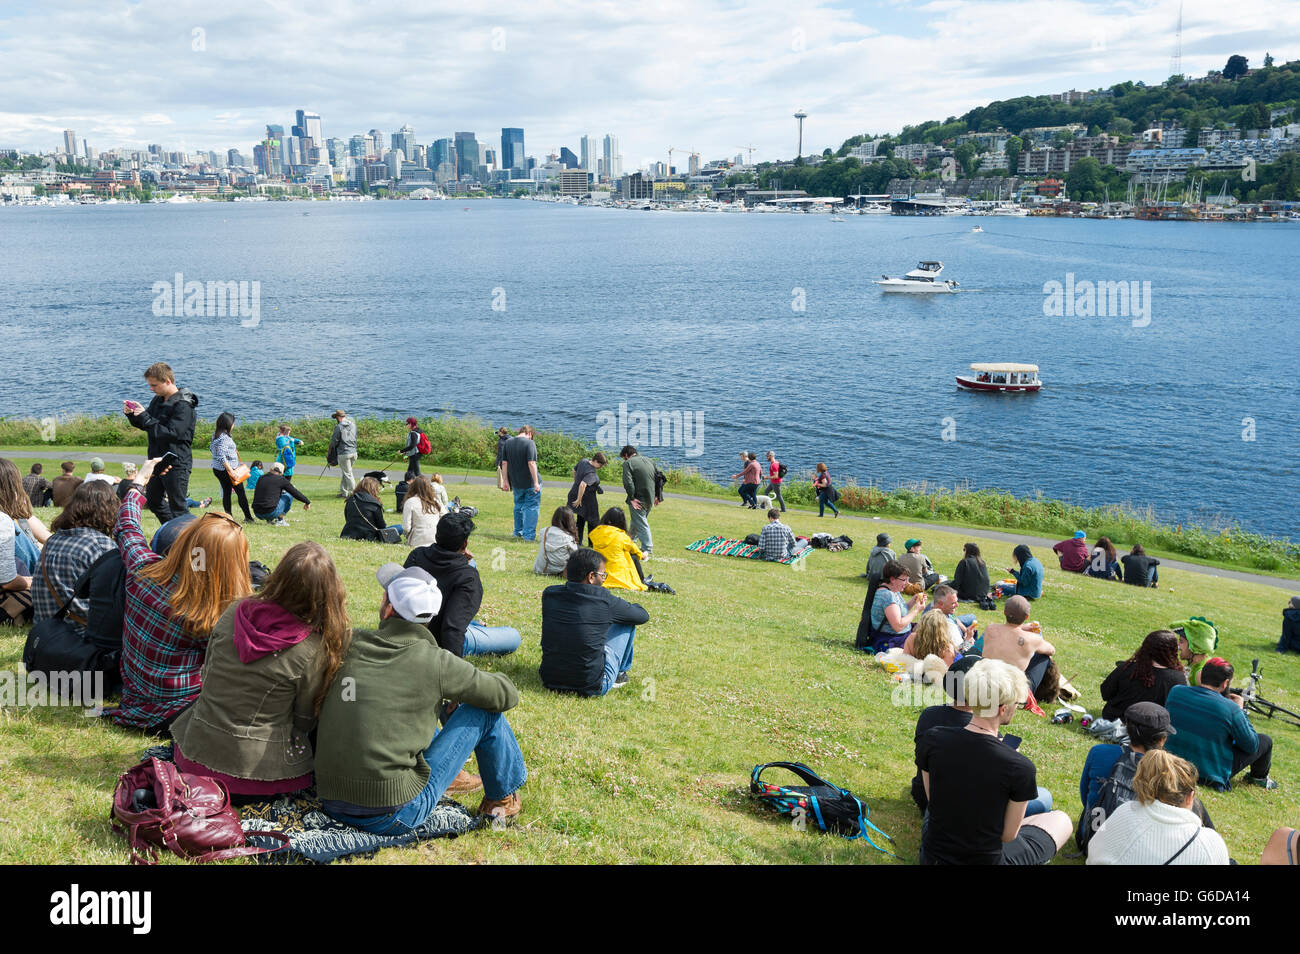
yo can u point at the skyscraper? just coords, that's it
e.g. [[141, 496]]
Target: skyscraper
[[69, 142], [587, 148], [567, 158], [274, 132], [357, 147], [467, 155], [404, 139], [512, 150], [440, 151], [613, 161]]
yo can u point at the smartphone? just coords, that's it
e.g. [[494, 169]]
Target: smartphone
[[167, 460]]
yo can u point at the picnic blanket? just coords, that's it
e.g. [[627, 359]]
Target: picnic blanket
[[316, 838], [721, 546]]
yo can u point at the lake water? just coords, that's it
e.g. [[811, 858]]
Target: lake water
[[387, 308]]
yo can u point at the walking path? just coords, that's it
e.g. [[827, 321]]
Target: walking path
[[308, 471]]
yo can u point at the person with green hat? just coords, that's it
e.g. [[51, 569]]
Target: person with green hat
[[919, 568], [97, 472], [1197, 638]]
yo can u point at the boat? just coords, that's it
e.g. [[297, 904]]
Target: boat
[[977, 229], [836, 218], [924, 279], [1010, 378]]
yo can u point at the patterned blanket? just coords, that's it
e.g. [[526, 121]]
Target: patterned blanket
[[721, 546], [315, 838]]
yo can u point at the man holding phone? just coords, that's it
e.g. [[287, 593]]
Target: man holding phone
[[169, 422]]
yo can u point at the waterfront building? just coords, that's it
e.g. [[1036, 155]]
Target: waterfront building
[[467, 154], [588, 150], [404, 141], [574, 182], [512, 149]]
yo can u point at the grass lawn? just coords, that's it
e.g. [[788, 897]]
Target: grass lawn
[[748, 663]]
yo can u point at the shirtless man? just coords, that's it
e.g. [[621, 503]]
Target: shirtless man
[[1013, 643]]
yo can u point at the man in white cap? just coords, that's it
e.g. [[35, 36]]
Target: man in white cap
[[379, 764]]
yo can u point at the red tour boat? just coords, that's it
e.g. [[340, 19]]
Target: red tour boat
[[1001, 377]]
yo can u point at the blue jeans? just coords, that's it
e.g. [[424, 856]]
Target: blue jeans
[[749, 494], [527, 504], [1153, 574], [1039, 805], [641, 528], [281, 508], [467, 730], [618, 654], [824, 501], [483, 640]]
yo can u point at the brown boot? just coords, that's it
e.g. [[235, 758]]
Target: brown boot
[[464, 783], [502, 810]]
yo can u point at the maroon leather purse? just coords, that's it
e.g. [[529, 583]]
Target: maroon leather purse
[[160, 806]]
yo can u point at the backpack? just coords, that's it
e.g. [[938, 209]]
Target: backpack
[[832, 808], [1116, 789], [54, 646], [422, 445], [781, 471], [661, 479], [103, 586]]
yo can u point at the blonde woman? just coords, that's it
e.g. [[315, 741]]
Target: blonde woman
[[1158, 827], [440, 491], [421, 512], [931, 638]]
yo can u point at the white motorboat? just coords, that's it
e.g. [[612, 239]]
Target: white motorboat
[[977, 229], [923, 280]]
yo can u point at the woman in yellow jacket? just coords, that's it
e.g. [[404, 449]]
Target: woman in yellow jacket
[[622, 555]]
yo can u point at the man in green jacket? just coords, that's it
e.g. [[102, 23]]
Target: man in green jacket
[[379, 765], [639, 482]]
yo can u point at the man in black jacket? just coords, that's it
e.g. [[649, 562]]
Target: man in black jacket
[[587, 631], [449, 561], [274, 495], [169, 422]]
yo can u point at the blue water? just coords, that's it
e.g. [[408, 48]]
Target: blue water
[[386, 308]]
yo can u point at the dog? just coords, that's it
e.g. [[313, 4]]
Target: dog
[[764, 501], [380, 476]]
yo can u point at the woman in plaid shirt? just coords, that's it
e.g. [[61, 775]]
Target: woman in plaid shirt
[[172, 603], [81, 534]]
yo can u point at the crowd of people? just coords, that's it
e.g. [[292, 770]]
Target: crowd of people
[[266, 685]]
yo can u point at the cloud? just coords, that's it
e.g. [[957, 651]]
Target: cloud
[[710, 75]]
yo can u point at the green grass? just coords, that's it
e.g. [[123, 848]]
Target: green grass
[[748, 663]]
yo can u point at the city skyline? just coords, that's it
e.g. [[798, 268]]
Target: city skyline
[[720, 83]]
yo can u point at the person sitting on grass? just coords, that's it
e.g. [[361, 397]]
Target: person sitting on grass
[[172, 605], [1073, 553], [890, 617], [63, 486], [15, 503], [1282, 848], [270, 660], [1158, 826], [557, 544], [971, 578], [776, 542], [39, 490], [1197, 640], [81, 534], [1140, 569], [439, 491], [274, 495], [363, 514], [931, 638], [449, 561], [587, 631], [1290, 641], [382, 762], [1148, 729], [98, 473], [622, 556], [1146, 676], [1214, 733], [1028, 579], [1104, 562], [978, 788], [919, 568], [420, 513], [1017, 645], [963, 630]]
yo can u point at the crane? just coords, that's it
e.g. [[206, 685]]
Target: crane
[[751, 153]]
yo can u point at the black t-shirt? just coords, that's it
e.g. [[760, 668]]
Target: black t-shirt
[[1120, 690], [1137, 569], [932, 718], [972, 777], [518, 451]]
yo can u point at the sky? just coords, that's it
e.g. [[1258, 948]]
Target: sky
[[711, 76]]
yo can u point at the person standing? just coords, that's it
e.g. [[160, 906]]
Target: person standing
[[286, 450], [412, 449], [519, 461], [343, 448], [169, 422], [749, 480], [225, 461], [775, 475], [503, 435], [826, 495], [639, 482], [582, 495]]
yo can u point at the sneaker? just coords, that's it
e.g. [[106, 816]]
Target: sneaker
[[464, 783], [205, 503], [647, 554], [1265, 783], [280, 522], [502, 810], [620, 680]]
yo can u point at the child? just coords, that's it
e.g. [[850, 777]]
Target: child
[[286, 450], [254, 474]]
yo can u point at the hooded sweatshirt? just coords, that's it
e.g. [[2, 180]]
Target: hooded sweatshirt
[[169, 423], [878, 558], [462, 593], [1290, 641], [618, 549], [1074, 553]]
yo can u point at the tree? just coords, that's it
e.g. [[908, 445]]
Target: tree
[[1121, 126], [1084, 179], [1268, 61], [1014, 147], [1236, 67]]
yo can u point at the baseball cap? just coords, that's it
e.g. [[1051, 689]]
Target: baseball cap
[[413, 592], [1079, 534], [1149, 715], [911, 543], [412, 421], [96, 464]]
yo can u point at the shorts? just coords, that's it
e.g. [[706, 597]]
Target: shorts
[[1032, 846]]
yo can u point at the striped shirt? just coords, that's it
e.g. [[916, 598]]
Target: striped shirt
[[65, 557], [776, 541], [161, 662]]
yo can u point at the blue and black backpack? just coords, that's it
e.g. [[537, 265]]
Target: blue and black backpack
[[828, 806]]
